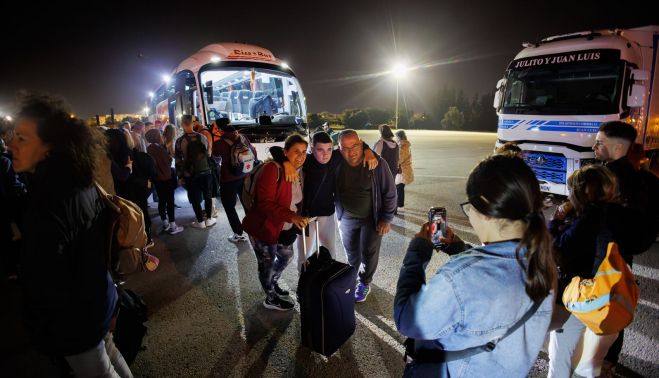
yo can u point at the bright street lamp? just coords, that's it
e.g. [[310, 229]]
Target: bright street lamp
[[166, 78], [151, 95], [398, 71]]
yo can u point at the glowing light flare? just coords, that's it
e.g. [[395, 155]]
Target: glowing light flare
[[285, 65], [166, 78], [215, 59], [151, 94], [399, 70]]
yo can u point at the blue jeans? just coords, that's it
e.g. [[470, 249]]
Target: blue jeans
[[362, 244], [272, 259]]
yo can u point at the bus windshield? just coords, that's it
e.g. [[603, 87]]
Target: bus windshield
[[573, 88], [243, 94]]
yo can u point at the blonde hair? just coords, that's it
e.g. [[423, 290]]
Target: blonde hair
[[593, 183]]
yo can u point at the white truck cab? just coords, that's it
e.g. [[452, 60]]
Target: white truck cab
[[557, 92]]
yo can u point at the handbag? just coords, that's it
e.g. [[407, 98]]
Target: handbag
[[288, 237]]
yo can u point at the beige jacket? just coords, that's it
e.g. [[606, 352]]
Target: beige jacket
[[405, 161]]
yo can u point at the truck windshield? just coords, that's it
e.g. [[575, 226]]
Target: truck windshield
[[242, 94], [575, 88]]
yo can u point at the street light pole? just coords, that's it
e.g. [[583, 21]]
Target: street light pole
[[398, 71], [396, 126]]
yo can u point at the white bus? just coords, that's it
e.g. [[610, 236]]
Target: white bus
[[247, 84]]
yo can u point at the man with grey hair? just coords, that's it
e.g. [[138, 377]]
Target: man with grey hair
[[365, 204]]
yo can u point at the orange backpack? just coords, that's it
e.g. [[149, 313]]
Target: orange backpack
[[605, 303]]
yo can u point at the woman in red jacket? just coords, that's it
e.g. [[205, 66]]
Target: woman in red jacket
[[270, 221]]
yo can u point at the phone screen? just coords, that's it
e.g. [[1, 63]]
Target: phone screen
[[437, 219]]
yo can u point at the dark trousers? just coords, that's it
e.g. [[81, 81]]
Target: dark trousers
[[228, 192], [271, 259], [199, 187], [400, 190], [362, 244], [165, 190], [141, 200]]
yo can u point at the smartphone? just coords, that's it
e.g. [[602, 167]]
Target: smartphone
[[437, 220]]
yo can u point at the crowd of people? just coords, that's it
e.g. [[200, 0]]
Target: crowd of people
[[503, 295]]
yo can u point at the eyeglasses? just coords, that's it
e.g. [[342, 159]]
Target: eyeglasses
[[466, 208]]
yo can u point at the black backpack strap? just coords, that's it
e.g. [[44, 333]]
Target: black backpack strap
[[447, 355]]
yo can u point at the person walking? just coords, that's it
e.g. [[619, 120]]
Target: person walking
[[387, 148], [193, 169], [405, 171], [69, 295], [231, 185], [164, 184], [365, 204]]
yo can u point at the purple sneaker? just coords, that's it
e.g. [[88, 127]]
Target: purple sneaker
[[361, 292]]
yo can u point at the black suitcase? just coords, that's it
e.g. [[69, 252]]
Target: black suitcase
[[327, 301]]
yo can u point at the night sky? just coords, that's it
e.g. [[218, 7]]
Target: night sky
[[111, 57]]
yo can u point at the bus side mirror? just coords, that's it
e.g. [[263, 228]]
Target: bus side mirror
[[498, 95], [208, 90], [636, 95]]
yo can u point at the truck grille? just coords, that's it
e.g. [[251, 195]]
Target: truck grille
[[547, 167]]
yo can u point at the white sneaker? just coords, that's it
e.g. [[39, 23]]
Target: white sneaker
[[174, 229], [200, 225], [210, 222], [235, 238]]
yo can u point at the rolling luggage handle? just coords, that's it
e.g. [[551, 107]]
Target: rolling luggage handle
[[304, 241]]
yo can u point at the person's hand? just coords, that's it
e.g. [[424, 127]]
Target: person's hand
[[129, 164], [450, 236], [370, 160], [15, 232], [424, 232], [290, 172], [383, 228], [299, 222], [563, 211]]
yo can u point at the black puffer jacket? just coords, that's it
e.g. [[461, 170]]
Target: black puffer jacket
[[69, 297]]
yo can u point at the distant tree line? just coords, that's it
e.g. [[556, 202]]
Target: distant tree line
[[452, 110]]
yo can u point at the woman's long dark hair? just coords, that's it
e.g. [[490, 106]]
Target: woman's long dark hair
[[74, 147], [504, 187]]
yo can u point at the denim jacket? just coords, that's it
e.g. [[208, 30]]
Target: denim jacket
[[472, 299]]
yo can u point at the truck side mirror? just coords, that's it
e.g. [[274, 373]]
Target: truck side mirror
[[636, 95], [498, 95]]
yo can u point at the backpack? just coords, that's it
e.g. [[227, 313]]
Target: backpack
[[605, 303], [130, 329], [196, 158], [242, 157], [248, 194], [126, 252]]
